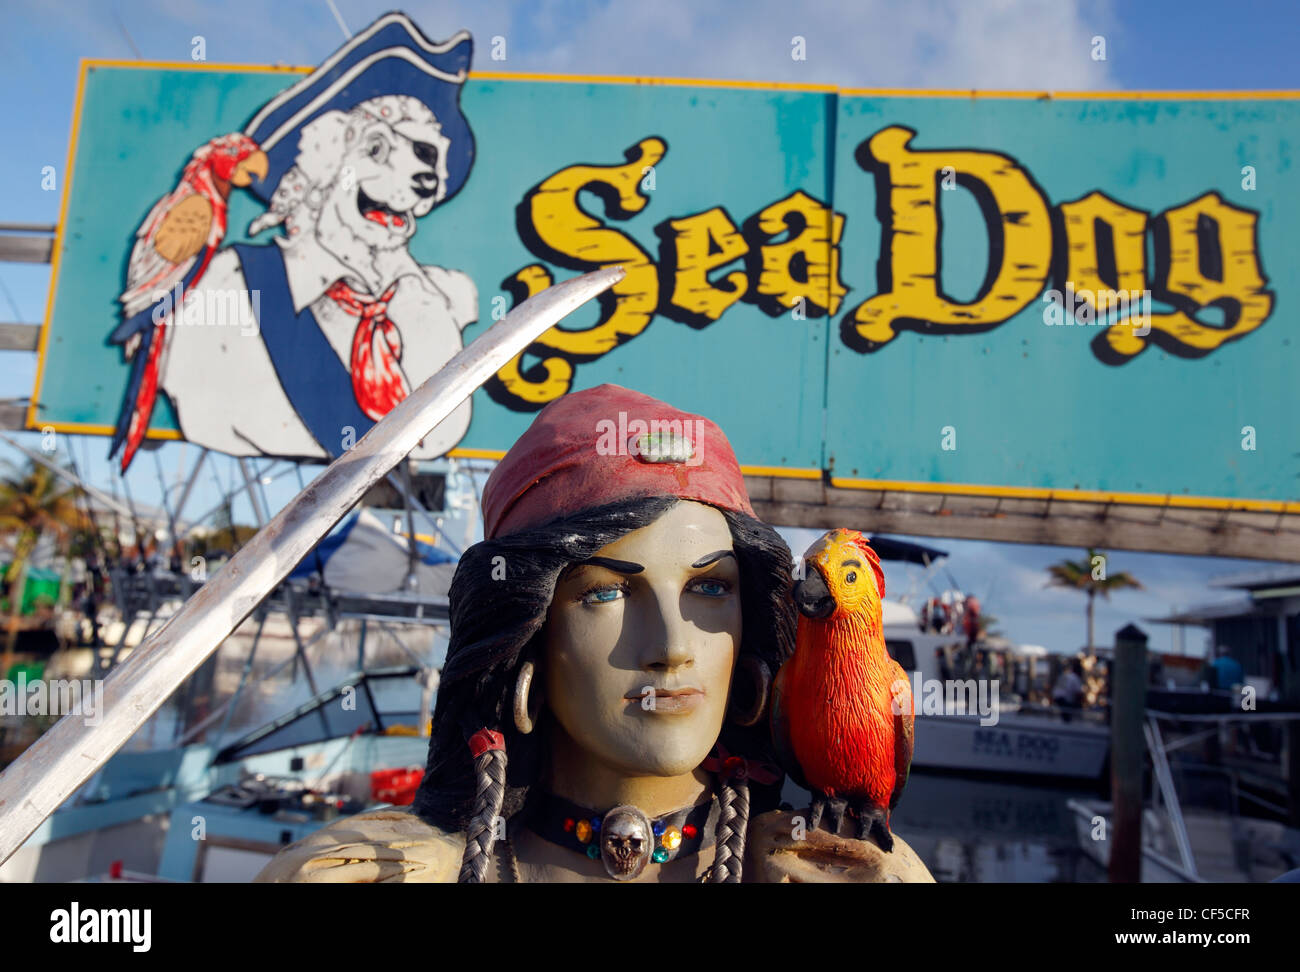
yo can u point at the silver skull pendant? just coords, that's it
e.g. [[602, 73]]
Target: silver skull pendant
[[626, 842]]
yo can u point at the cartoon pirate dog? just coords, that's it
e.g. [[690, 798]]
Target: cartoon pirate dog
[[345, 322], [602, 712]]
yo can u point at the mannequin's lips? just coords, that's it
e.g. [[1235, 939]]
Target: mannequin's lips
[[669, 701]]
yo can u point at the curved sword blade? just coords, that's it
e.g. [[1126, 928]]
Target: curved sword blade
[[37, 783]]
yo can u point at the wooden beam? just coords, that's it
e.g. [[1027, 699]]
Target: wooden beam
[[26, 249], [13, 415], [1060, 522], [19, 337]]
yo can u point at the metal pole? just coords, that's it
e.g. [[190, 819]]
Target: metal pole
[[1127, 750], [412, 558], [49, 772], [153, 615], [243, 678], [128, 620], [189, 483], [135, 523], [259, 513], [229, 495], [171, 517], [291, 609], [1165, 779], [403, 647], [1289, 652], [261, 487]]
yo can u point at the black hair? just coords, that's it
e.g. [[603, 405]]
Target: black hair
[[499, 598]]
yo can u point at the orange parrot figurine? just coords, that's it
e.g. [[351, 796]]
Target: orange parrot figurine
[[842, 713]]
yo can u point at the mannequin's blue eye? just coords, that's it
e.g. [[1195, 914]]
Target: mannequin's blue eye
[[711, 588], [602, 595]]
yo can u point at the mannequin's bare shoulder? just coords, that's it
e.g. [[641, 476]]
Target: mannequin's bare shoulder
[[780, 850], [383, 846]]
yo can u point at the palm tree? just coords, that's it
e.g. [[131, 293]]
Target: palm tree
[[988, 626], [33, 503], [1078, 575]]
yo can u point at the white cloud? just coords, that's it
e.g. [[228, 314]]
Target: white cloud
[[1016, 44]]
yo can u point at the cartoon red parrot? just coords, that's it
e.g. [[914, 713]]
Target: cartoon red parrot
[[172, 249]]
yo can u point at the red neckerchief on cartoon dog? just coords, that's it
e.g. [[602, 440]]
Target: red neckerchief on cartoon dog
[[377, 380]]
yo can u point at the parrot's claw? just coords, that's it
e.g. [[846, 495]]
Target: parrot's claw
[[863, 830], [873, 822], [837, 810], [883, 836], [815, 811], [821, 805]]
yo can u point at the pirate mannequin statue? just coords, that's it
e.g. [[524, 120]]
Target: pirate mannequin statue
[[602, 712]]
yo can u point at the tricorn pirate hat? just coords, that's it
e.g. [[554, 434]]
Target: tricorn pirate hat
[[390, 57]]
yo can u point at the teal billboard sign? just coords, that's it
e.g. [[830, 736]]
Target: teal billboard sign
[[1078, 295]]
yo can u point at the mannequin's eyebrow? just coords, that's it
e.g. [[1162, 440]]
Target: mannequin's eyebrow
[[713, 558], [618, 566]]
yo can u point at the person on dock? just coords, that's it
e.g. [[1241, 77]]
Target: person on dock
[[1225, 672], [1067, 694]]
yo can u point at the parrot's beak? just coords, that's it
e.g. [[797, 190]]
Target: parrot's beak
[[811, 595], [255, 165]]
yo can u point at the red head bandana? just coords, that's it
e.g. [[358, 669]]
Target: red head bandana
[[607, 444]]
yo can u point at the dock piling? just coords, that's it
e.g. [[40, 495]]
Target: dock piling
[[1127, 753]]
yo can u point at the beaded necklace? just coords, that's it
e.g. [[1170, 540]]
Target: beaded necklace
[[624, 838]]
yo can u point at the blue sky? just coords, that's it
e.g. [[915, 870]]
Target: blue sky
[[1008, 44]]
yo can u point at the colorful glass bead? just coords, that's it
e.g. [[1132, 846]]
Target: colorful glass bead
[[593, 851], [689, 831], [660, 855], [671, 839], [584, 830], [658, 828], [568, 825], [595, 824]]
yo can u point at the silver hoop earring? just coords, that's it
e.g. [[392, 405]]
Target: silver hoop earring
[[526, 707], [761, 678]]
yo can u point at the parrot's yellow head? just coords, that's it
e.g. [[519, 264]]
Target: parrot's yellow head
[[841, 575]]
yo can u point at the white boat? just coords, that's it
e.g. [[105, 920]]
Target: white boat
[[217, 802], [976, 730], [1008, 738]]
